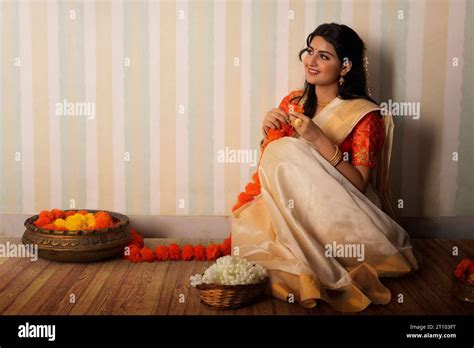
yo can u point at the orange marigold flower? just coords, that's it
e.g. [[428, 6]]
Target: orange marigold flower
[[46, 214], [69, 213], [162, 253], [174, 252], [464, 269], [129, 250], [101, 222], [104, 215], [147, 254], [252, 189], [188, 253], [199, 252], [256, 178], [241, 200], [82, 212], [226, 247], [58, 214], [136, 256], [212, 252], [136, 238], [42, 221]]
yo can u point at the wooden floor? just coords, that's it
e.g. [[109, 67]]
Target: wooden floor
[[120, 287]]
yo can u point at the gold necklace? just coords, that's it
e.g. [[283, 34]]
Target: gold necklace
[[324, 104]]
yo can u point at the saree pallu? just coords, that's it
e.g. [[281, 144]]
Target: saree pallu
[[307, 206]]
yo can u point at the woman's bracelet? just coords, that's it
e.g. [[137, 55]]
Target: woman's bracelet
[[336, 158]]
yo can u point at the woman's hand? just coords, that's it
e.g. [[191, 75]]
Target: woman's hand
[[274, 119], [308, 129]]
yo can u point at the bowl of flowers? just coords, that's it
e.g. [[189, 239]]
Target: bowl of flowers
[[77, 235], [230, 283], [463, 280]]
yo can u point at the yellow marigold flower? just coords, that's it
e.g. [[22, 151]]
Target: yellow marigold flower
[[89, 216], [91, 222], [59, 222], [76, 222]]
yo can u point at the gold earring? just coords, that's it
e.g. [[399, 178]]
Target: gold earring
[[341, 81]]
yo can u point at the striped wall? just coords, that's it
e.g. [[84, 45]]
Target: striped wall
[[175, 82]]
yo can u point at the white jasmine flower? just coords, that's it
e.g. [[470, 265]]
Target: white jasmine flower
[[231, 270]]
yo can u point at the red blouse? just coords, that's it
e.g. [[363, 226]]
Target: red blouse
[[364, 142]]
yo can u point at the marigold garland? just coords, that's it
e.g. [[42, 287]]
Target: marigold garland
[[252, 189], [137, 252]]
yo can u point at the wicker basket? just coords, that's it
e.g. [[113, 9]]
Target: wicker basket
[[230, 296]]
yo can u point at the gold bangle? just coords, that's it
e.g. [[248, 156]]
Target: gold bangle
[[335, 155], [338, 160]]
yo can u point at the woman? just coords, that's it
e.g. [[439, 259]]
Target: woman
[[323, 224]]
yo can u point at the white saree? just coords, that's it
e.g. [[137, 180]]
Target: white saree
[[308, 213]]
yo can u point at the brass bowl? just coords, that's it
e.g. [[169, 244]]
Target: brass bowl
[[79, 245], [462, 290]]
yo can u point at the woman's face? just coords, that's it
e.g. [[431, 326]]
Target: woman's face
[[321, 64]]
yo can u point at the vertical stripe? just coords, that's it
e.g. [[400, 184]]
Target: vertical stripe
[[90, 59], [435, 41], [11, 108], [245, 90], [297, 41], [55, 160], [281, 59], [109, 65], [201, 41], [71, 41], [387, 77], [259, 82], [27, 160], [182, 107], [136, 107], [373, 47], [154, 104], [464, 197], [452, 107], [336, 17], [168, 109], [39, 59], [409, 190], [399, 14], [310, 20], [232, 98], [2, 121], [361, 24], [320, 12], [218, 93], [263, 69], [117, 192], [347, 12]]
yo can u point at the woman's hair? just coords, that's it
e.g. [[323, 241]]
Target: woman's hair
[[348, 45]]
